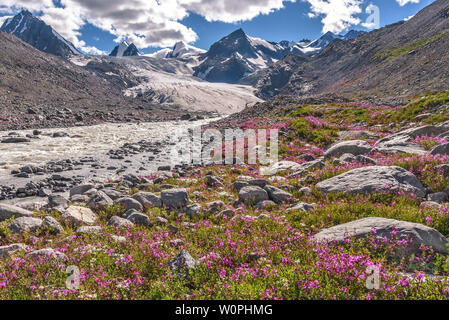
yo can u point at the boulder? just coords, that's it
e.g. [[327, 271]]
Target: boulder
[[437, 197], [130, 203], [7, 251], [140, 219], [183, 263], [8, 211], [118, 222], [278, 195], [302, 206], [373, 179], [354, 147], [99, 201], [52, 225], [79, 215], [193, 210], [175, 198], [252, 194], [46, 254], [25, 224], [88, 230], [148, 199], [440, 149], [81, 189], [380, 228]]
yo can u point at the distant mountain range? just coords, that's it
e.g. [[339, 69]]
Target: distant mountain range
[[228, 60], [388, 64], [40, 35], [238, 55]]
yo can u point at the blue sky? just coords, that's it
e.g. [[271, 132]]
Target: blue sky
[[92, 27]]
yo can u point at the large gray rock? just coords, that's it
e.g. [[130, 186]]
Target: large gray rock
[[8, 211], [252, 195], [140, 219], [99, 201], [47, 254], [81, 189], [148, 199], [7, 251], [380, 228], [372, 179], [440, 149], [354, 147], [278, 195], [295, 167], [183, 263], [52, 225], [79, 215], [401, 142], [118, 222], [175, 198], [56, 200], [25, 224], [130, 203]]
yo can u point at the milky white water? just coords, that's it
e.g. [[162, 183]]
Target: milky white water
[[88, 141]]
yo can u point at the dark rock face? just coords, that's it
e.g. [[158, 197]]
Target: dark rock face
[[40, 35], [230, 59], [125, 50]]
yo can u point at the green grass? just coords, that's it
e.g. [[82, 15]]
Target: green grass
[[393, 53]]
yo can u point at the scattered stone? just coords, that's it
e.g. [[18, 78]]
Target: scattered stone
[[278, 195], [81, 189], [303, 207], [354, 147], [99, 201], [214, 207], [52, 225], [252, 195], [266, 204], [183, 263], [430, 205], [193, 211], [25, 224], [437, 197], [79, 215], [148, 199], [56, 200], [239, 185], [48, 253], [381, 228], [9, 250], [8, 211], [88, 230], [259, 182], [118, 222], [373, 179], [175, 198], [440, 149], [130, 203], [140, 219]]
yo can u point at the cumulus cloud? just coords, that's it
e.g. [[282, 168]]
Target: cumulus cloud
[[404, 2], [336, 15], [232, 10], [155, 23]]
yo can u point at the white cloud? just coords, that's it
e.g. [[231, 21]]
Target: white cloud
[[336, 15], [232, 10], [154, 23], [404, 2]]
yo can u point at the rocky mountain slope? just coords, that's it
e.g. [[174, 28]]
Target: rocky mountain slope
[[399, 60], [38, 34], [36, 88]]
